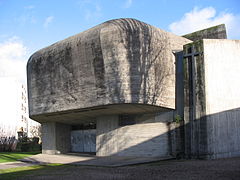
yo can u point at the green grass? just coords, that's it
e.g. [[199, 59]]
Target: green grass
[[15, 173], [14, 156]]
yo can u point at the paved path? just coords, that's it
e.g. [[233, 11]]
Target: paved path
[[14, 164], [91, 160], [79, 159]]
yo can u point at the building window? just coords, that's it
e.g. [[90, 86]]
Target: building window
[[126, 119], [91, 125], [24, 98], [24, 108], [189, 50]]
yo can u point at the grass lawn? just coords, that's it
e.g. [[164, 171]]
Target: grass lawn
[[14, 156], [15, 173]]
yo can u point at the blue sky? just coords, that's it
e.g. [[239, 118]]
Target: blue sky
[[29, 25]]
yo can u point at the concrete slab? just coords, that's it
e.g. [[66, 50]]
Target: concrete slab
[[91, 160]]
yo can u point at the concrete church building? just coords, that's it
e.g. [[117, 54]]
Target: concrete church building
[[126, 88]]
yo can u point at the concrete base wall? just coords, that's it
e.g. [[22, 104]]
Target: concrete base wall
[[55, 138], [212, 99], [222, 67], [152, 135], [224, 134], [148, 137]]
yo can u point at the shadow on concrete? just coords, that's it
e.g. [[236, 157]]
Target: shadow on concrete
[[212, 136], [217, 136], [145, 61], [223, 141]]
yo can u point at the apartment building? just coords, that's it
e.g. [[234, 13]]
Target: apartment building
[[14, 118]]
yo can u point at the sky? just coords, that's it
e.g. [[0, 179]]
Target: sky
[[29, 25]]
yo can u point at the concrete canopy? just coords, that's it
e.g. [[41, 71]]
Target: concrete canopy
[[120, 66]]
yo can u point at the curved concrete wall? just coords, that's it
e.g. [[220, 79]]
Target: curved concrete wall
[[120, 61]]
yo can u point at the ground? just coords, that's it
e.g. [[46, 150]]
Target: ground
[[14, 156], [173, 169]]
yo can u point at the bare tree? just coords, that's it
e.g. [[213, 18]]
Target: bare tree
[[148, 59], [7, 140], [36, 131]]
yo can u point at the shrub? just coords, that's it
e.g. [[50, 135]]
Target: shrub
[[26, 144], [8, 144]]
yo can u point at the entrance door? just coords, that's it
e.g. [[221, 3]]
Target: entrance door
[[83, 140]]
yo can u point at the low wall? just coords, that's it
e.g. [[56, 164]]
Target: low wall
[[150, 135]]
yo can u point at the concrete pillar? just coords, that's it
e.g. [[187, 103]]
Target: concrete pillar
[[106, 140], [55, 138]]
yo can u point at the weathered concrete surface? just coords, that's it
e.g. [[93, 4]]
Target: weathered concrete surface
[[194, 101], [212, 99], [215, 32], [222, 67], [150, 136], [122, 66], [55, 138], [120, 61]]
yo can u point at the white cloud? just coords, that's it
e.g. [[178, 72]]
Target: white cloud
[[83, 3], [92, 10], [25, 19], [29, 7], [47, 21], [13, 59], [94, 13], [198, 19], [27, 16], [128, 3]]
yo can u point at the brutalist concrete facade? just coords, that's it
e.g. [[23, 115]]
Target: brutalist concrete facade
[[128, 87], [215, 32], [121, 68], [120, 61], [212, 101]]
